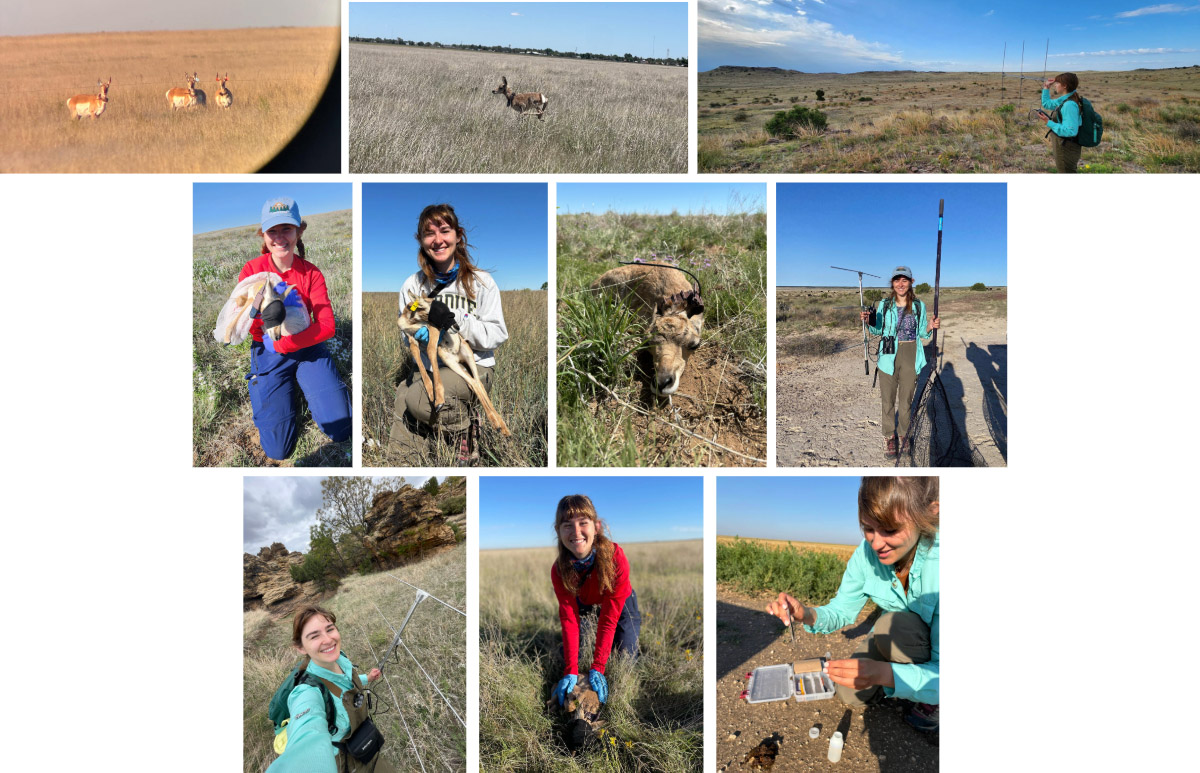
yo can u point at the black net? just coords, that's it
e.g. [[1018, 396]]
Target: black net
[[936, 437]]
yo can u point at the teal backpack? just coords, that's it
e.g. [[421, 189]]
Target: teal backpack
[[1091, 128], [278, 711]]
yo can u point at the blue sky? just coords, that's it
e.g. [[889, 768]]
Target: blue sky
[[518, 512], [216, 206], [29, 17], [641, 29], [874, 227], [661, 198], [857, 35], [506, 226], [808, 509]]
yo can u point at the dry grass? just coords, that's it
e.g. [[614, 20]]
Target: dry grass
[[942, 122], [432, 111], [841, 551], [366, 607], [518, 383], [655, 710], [274, 90]]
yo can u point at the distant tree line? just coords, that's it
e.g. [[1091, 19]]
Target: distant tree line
[[668, 62]]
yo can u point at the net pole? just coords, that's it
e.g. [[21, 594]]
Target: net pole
[[937, 274], [866, 357], [1046, 61], [1021, 83], [1003, 57]]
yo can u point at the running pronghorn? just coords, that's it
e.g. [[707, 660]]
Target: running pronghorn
[[522, 102], [224, 96], [180, 98], [86, 104]]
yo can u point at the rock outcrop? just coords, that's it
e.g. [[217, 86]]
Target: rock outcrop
[[406, 523], [267, 580]]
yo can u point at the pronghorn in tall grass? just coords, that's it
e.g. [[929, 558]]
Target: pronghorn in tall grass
[[224, 96], [180, 98], [199, 97], [87, 104], [522, 103]]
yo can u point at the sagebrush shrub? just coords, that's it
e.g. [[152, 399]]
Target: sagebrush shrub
[[979, 286], [785, 124]]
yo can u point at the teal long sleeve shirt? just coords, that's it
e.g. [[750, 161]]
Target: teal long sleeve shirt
[[866, 578], [886, 324], [1072, 119], [310, 747]]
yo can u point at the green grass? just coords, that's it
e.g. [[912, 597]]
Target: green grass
[[435, 634], [518, 383], [807, 575], [655, 712], [599, 337], [223, 432]]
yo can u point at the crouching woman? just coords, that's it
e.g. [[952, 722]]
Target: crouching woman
[[896, 566], [328, 705]]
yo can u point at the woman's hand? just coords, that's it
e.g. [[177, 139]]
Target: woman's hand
[[785, 604], [598, 683], [440, 316], [1047, 83], [864, 315], [375, 674], [564, 686], [935, 323], [860, 673]]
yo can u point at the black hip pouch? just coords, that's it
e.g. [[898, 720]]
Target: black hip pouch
[[365, 742]]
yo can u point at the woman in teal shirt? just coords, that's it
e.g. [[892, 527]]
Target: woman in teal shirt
[[896, 566], [1064, 119]]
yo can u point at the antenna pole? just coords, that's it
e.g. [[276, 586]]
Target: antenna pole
[[1046, 61], [1003, 57], [861, 307], [937, 276], [1022, 81]]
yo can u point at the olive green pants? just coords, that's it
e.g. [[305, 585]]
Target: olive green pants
[[898, 637], [406, 446], [1066, 154], [900, 384]]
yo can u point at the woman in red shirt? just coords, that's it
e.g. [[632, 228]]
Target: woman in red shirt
[[277, 368], [591, 571]]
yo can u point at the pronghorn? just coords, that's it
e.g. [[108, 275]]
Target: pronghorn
[[255, 293], [86, 104], [199, 97], [178, 98], [453, 351], [582, 705], [522, 102], [224, 96], [672, 309]]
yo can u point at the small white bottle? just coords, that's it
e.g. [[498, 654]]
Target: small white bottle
[[813, 733], [835, 747]]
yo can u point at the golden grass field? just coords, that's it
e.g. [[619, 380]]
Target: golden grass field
[[274, 90], [941, 122], [841, 551], [432, 111]]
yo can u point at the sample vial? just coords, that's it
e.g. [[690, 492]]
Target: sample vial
[[813, 732], [835, 747]]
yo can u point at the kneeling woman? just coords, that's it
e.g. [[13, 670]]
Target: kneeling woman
[[591, 571], [901, 319], [277, 368], [467, 301], [896, 566], [316, 740]]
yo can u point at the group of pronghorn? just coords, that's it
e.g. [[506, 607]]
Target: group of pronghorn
[[82, 105]]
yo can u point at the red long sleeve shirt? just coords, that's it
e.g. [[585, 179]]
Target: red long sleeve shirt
[[310, 283], [589, 594]]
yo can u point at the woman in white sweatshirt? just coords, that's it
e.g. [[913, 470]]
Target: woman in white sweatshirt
[[466, 301]]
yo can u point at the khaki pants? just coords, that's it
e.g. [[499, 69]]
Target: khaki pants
[[901, 383], [1066, 154], [406, 446], [898, 637]]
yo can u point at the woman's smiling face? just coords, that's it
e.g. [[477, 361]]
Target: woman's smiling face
[[321, 641], [901, 284], [578, 535], [890, 545], [439, 240], [280, 240]]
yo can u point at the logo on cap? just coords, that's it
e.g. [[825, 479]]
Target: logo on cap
[[279, 206]]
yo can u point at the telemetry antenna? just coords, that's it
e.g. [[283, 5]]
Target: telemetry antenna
[[861, 274]]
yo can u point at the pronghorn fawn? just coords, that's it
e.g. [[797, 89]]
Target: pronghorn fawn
[[453, 351], [522, 103], [672, 309], [89, 104], [582, 705], [224, 96], [253, 294], [181, 98]]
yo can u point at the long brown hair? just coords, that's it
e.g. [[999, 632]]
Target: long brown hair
[[299, 242], [1070, 82], [444, 213], [571, 506], [897, 502]]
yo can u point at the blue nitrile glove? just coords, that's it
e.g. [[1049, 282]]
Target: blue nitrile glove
[[564, 686], [422, 335], [599, 684]]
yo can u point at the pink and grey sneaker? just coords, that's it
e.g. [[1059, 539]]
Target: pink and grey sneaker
[[923, 716], [890, 448]]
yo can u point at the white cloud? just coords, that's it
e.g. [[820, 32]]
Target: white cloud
[[1165, 8], [514, 13], [742, 25], [989, 13], [1132, 52]]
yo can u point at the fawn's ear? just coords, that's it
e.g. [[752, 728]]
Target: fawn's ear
[[695, 305]]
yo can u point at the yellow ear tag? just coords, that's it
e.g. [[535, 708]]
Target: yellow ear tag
[[414, 306], [281, 737]]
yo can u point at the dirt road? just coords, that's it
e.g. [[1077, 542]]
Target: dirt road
[[876, 738], [828, 415]]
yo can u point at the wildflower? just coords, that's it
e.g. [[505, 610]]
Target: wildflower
[[603, 732], [612, 740], [629, 744]]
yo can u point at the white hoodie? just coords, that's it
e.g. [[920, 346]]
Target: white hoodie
[[480, 321]]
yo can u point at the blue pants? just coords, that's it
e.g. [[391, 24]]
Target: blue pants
[[273, 379], [629, 625]]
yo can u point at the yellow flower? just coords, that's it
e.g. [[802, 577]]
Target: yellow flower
[[629, 744], [603, 732], [612, 740]]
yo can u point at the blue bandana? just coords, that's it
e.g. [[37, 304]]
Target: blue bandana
[[447, 277], [583, 564]]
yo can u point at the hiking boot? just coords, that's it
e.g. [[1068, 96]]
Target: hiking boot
[[464, 452], [890, 449], [923, 717], [906, 445]]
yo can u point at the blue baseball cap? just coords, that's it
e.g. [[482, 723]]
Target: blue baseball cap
[[280, 210], [904, 271]]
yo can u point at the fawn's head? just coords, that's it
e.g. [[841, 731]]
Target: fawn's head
[[674, 334], [502, 88], [417, 308]]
